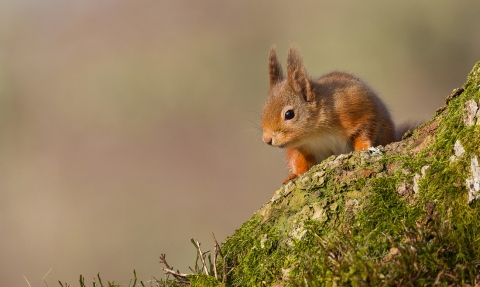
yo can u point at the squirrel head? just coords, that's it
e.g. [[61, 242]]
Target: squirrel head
[[291, 110]]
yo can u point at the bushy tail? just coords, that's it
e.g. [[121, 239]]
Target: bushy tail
[[403, 128]]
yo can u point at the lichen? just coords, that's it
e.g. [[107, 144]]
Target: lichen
[[473, 182], [470, 113]]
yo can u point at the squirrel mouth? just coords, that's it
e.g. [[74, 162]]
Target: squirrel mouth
[[282, 145], [289, 144]]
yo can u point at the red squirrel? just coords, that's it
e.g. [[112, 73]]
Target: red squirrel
[[316, 118]]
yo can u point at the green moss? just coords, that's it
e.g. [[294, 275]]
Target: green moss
[[203, 281], [360, 219]]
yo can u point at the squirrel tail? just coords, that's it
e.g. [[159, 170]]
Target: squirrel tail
[[405, 127]]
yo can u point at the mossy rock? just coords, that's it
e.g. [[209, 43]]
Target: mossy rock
[[404, 214]]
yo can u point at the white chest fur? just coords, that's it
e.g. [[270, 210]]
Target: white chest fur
[[326, 145]]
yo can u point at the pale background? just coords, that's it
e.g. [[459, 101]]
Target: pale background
[[128, 127]]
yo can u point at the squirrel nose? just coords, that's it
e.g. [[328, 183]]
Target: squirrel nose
[[267, 140]]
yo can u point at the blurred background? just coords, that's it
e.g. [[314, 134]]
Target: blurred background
[[129, 127]]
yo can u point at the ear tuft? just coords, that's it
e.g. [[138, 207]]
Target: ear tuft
[[275, 74], [294, 60], [297, 75]]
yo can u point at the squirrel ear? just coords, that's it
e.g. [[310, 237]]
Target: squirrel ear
[[298, 78], [275, 73]]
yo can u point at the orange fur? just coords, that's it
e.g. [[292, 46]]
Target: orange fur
[[299, 162]]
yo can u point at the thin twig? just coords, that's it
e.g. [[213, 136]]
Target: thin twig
[[224, 259], [47, 274], [182, 278], [174, 273], [201, 256], [163, 260], [46, 277], [215, 252], [27, 281], [216, 243]]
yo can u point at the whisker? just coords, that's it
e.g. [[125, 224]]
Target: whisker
[[255, 125]]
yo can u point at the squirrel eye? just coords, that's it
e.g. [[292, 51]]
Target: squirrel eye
[[290, 114]]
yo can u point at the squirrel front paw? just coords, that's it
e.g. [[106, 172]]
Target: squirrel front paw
[[290, 177]]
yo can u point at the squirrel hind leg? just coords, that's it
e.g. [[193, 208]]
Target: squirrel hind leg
[[359, 143]]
